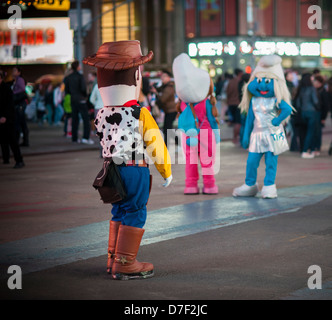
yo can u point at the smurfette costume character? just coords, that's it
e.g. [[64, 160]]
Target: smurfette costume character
[[194, 89], [266, 100], [125, 130]]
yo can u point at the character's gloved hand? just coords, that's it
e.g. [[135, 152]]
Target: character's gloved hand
[[245, 143], [276, 122], [168, 181], [285, 112]]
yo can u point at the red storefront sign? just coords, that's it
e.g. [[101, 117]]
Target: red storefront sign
[[30, 37]]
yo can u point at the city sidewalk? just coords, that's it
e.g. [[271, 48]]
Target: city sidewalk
[[50, 139], [203, 246]]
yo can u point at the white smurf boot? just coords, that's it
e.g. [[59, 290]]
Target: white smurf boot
[[269, 192], [246, 191]]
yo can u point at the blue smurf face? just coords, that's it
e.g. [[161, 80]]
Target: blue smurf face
[[262, 87]]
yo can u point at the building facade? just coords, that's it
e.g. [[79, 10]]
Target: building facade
[[219, 35], [159, 28], [222, 35]]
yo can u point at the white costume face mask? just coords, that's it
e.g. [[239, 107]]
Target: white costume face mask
[[114, 94]]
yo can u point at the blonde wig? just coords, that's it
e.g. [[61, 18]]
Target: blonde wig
[[281, 91]]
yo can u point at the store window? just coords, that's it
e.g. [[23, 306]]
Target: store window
[[286, 18], [118, 23], [263, 17], [230, 17], [210, 17], [256, 17], [190, 15]]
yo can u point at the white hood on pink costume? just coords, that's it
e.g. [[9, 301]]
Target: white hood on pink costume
[[191, 84]]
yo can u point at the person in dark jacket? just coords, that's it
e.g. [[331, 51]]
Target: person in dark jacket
[[324, 106], [307, 103], [20, 104], [329, 91], [76, 87], [166, 101], [7, 125]]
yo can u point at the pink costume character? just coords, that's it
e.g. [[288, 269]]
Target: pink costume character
[[194, 88]]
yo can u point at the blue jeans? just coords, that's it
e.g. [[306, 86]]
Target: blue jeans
[[311, 119], [271, 163], [132, 210], [50, 113], [58, 113]]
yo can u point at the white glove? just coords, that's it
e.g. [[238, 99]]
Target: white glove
[[168, 181]]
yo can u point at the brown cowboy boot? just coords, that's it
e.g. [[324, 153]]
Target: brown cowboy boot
[[125, 266], [113, 235]]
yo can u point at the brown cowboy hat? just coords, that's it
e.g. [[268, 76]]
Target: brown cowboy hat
[[119, 55]]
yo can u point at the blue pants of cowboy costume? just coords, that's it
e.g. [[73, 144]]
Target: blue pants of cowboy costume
[[132, 210], [271, 163]]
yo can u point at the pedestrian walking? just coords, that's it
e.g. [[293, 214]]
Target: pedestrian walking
[[233, 101], [49, 103], [40, 103], [20, 103], [124, 129], [223, 99], [166, 101], [307, 105], [58, 108], [95, 99], [75, 86], [322, 110], [8, 137], [329, 91], [92, 81], [67, 127], [296, 123], [244, 80]]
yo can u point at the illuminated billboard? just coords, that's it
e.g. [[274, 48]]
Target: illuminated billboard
[[42, 41], [259, 48], [326, 48]]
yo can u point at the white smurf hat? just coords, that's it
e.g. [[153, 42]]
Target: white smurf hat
[[191, 84], [270, 65]]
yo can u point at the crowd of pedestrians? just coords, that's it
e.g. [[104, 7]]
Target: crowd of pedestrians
[[74, 99], [311, 95]]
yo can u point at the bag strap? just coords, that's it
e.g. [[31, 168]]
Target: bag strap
[[195, 116]]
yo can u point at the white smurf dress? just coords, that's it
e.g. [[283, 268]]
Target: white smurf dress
[[265, 136]]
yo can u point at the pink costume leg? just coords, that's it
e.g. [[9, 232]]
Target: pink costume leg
[[191, 168], [207, 154]]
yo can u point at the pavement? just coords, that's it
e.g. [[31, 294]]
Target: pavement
[[55, 228]]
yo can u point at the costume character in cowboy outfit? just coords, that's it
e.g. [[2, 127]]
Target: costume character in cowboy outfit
[[266, 100], [194, 88], [126, 131]]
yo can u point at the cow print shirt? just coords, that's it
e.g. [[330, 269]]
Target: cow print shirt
[[119, 132]]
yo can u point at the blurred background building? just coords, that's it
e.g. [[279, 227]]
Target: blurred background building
[[219, 35]]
